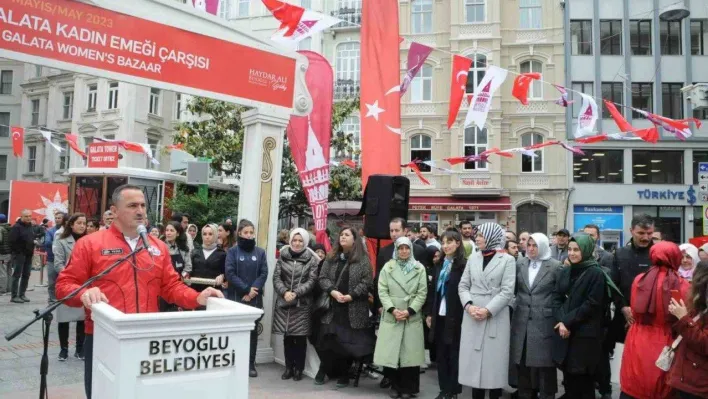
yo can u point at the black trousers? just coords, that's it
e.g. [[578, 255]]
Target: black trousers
[[88, 364], [295, 351], [64, 335], [533, 380], [405, 379], [579, 386], [603, 376], [493, 393], [448, 360], [337, 365], [21, 270], [254, 343]]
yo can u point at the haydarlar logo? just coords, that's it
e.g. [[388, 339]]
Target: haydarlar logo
[[266, 79]]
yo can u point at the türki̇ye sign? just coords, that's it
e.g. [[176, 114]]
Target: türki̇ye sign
[[112, 43], [185, 354]]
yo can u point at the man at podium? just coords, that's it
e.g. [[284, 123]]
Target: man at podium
[[132, 287]]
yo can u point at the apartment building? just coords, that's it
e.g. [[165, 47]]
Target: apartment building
[[11, 75], [629, 53]]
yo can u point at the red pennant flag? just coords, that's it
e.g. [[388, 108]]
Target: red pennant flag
[[380, 83], [73, 141], [592, 139], [498, 152], [621, 122], [18, 141], [416, 169], [650, 135], [522, 84], [179, 146], [455, 160], [458, 85], [349, 163], [289, 15]]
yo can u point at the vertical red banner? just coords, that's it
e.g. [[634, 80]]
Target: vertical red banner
[[380, 86], [309, 139]]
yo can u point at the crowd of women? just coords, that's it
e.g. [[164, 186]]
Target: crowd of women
[[488, 319]]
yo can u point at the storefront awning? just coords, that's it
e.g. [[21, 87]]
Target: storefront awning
[[459, 204]]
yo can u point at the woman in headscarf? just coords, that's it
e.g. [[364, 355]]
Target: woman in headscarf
[[209, 261], [486, 289], [703, 252], [531, 324], [403, 287], [651, 330], [578, 307], [294, 278], [689, 261]]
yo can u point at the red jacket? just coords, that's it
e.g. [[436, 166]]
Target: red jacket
[[689, 373], [129, 289]]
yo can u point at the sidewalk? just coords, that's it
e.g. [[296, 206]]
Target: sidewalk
[[20, 360]]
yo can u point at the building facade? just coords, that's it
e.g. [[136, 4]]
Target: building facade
[[11, 76], [626, 53]]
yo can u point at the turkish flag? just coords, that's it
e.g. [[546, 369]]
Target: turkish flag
[[380, 86], [460, 69], [522, 84], [18, 140]]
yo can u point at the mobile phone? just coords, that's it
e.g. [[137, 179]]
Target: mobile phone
[[676, 295]]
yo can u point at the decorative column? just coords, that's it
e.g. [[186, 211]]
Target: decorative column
[[259, 198]]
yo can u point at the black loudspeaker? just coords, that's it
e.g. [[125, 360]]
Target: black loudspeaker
[[386, 197]]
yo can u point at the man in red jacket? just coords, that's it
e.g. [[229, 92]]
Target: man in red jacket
[[132, 287]]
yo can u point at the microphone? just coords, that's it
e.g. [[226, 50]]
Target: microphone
[[142, 231]]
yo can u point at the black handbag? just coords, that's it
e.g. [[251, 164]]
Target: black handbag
[[324, 302]]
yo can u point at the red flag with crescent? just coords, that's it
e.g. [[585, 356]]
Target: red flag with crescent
[[73, 141], [460, 69], [380, 87], [18, 140]]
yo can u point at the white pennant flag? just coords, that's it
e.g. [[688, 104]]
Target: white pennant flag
[[434, 165], [587, 116], [311, 22], [48, 136], [482, 99], [148, 152]]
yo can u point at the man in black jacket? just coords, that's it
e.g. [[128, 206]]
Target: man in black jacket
[[630, 261], [22, 247]]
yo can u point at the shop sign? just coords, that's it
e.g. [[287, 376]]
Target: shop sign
[[605, 217], [649, 194], [459, 207], [475, 182]]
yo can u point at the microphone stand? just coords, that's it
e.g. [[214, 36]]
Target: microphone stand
[[46, 316]]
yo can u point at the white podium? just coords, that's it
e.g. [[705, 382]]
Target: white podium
[[172, 355]]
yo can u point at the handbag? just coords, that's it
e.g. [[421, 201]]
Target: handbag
[[666, 357], [324, 302]]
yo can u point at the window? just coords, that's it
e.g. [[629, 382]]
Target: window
[[474, 11], [422, 150], [536, 89], [154, 101], [350, 127], [699, 29], [428, 219], [672, 100], [582, 87], [476, 73], [670, 37], [306, 4], [422, 16], [242, 10], [178, 106], [113, 95], [37, 71], [4, 124], [347, 67], [640, 37], [657, 167], [32, 159], [225, 9], [698, 221], [475, 144], [532, 164], [305, 44], [668, 220], [581, 37], [6, 82], [153, 143], [3, 167], [68, 105], [611, 37], [642, 98], [92, 96], [698, 157], [35, 112], [598, 166], [612, 91], [422, 85], [64, 156], [530, 14]]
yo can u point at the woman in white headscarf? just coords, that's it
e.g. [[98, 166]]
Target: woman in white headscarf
[[294, 280], [486, 289], [689, 261], [531, 326]]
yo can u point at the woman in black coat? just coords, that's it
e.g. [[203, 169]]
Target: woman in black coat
[[578, 307], [209, 261], [444, 313]]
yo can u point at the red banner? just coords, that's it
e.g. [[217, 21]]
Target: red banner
[[43, 199], [103, 155], [18, 141], [111, 43], [380, 98], [309, 139]]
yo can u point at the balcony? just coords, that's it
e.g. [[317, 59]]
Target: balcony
[[533, 181], [346, 88], [418, 184], [475, 31], [351, 17]]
